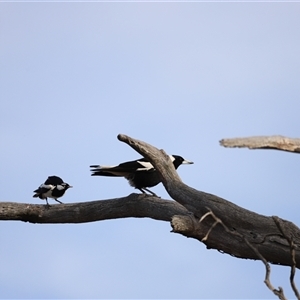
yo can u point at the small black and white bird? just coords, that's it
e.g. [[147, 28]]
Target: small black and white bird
[[54, 187], [140, 173]]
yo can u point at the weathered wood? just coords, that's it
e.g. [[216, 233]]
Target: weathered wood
[[277, 142], [135, 205], [259, 230], [242, 226]]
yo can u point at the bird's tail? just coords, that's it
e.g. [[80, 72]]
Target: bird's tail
[[104, 171]]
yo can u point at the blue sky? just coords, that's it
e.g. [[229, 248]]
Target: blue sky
[[180, 76]]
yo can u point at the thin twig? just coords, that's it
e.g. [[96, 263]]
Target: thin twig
[[267, 281], [293, 270], [280, 226], [217, 220]]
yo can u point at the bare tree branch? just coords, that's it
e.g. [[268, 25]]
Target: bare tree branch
[[135, 205], [277, 142], [267, 281], [259, 230], [184, 214], [284, 144]]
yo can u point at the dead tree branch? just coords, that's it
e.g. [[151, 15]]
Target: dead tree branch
[[259, 230], [277, 142], [134, 205], [267, 280], [184, 214]]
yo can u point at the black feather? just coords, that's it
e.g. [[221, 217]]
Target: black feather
[[54, 180]]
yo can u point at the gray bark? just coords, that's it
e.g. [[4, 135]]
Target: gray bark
[[189, 215], [276, 142]]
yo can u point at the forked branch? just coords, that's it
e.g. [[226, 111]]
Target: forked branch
[[278, 292], [184, 214], [259, 230]]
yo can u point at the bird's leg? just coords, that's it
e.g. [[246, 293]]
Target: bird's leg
[[58, 201], [47, 205], [153, 194]]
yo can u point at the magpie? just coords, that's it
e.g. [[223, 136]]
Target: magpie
[[140, 173], [54, 187]]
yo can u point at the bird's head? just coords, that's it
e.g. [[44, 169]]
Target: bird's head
[[179, 160], [66, 186]]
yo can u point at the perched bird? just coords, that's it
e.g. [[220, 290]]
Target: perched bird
[[54, 187], [140, 173]]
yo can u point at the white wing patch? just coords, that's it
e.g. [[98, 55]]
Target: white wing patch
[[49, 187], [60, 187], [146, 166]]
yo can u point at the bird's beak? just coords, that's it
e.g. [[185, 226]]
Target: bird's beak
[[187, 162], [70, 186]]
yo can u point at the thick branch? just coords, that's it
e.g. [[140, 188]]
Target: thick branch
[[135, 205], [276, 142], [190, 206], [259, 230]]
